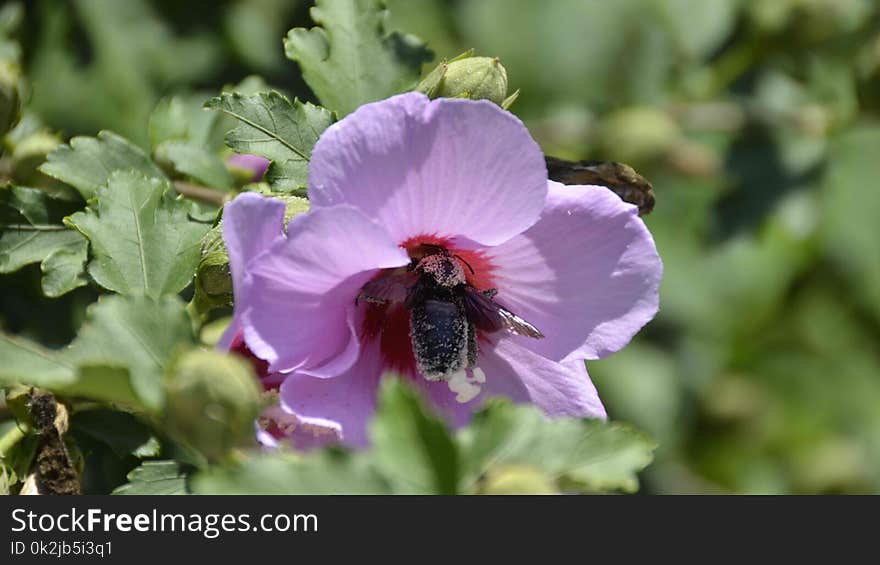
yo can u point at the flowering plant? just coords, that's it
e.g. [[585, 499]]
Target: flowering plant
[[391, 273]]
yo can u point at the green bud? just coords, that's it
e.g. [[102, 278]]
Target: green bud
[[518, 480], [213, 279], [10, 103], [212, 401], [466, 76]]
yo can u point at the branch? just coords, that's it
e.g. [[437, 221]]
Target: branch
[[202, 193]]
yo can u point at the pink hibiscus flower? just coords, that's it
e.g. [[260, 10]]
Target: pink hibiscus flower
[[437, 249]]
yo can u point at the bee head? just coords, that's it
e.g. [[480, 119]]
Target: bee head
[[444, 268]]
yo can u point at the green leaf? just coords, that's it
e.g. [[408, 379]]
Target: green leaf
[[273, 127], [581, 455], [411, 446], [133, 336], [142, 239], [119, 356], [64, 269], [27, 362], [121, 431], [88, 162], [326, 472], [850, 230], [349, 59], [195, 162], [183, 118], [133, 56], [155, 477], [31, 232]]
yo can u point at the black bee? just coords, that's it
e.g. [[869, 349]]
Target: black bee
[[445, 311]]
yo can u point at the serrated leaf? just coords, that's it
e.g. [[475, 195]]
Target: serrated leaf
[[136, 335], [584, 455], [64, 269], [349, 59], [31, 232], [141, 238], [184, 118], [412, 447], [272, 126], [155, 477], [87, 162], [327, 472], [119, 355], [195, 162]]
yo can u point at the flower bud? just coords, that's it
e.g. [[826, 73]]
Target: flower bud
[[247, 168], [212, 401], [470, 77], [10, 103], [518, 480], [213, 279]]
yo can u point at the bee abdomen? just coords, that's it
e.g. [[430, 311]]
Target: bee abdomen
[[439, 333]]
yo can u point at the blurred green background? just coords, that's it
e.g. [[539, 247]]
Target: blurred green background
[[756, 121]]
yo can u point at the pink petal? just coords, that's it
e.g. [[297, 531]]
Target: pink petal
[[445, 167], [251, 223], [347, 400], [559, 389], [301, 292], [587, 274]]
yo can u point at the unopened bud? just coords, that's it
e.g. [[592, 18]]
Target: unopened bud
[[10, 103], [212, 401], [470, 77], [213, 279], [518, 480], [247, 168]]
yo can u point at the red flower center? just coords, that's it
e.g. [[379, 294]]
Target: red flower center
[[389, 321]]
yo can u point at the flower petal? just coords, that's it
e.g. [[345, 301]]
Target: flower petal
[[347, 400], [445, 167], [559, 389], [587, 274], [301, 292], [251, 223]]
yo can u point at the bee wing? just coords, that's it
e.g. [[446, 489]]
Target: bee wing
[[489, 316], [392, 287]]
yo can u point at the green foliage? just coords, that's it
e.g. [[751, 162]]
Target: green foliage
[[87, 162], [142, 239], [188, 139], [756, 122], [32, 232], [582, 455], [414, 453], [349, 59], [119, 355], [273, 127], [134, 57], [155, 477]]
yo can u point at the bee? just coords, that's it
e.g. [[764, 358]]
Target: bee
[[446, 312], [622, 179]]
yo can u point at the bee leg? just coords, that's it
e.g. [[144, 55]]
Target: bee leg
[[368, 298], [473, 349], [490, 293]]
